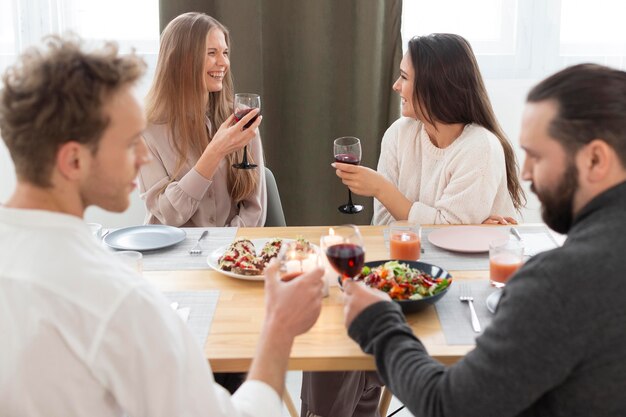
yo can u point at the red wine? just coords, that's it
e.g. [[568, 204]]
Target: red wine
[[347, 158], [346, 258], [240, 113]]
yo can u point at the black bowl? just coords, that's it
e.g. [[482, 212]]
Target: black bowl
[[411, 306]]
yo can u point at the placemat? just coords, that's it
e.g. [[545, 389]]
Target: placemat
[[202, 306], [178, 258], [454, 315]]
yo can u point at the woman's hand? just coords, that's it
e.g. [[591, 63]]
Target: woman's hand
[[495, 219], [232, 137], [361, 180]]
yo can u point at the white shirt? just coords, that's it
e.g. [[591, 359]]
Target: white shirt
[[81, 334], [463, 183]]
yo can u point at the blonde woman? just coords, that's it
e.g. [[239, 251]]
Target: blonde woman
[[193, 136]]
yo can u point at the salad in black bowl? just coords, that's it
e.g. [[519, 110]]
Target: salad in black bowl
[[412, 284]]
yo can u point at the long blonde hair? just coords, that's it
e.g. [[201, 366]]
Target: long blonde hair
[[178, 97]]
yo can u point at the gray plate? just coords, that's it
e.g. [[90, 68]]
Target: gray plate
[[148, 237]]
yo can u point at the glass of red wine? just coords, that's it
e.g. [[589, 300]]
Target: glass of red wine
[[347, 150], [244, 104], [343, 247]]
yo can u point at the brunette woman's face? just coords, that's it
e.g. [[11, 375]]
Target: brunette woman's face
[[404, 86], [216, 62]]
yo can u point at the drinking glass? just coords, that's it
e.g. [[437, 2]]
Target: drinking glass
[[133, 259], [96, 230], [343, 247], [244, 104], [296, 258], [505, 257], [347, 150], [405, 241]]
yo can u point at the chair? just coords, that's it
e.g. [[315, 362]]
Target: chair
[[275, 215]]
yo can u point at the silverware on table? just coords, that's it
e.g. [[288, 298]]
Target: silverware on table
[[515, 233], [466, 295], [197, 250]]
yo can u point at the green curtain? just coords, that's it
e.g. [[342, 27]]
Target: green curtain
[[324, 69]]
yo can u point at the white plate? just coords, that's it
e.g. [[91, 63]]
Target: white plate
[[492, 300], [147, 237], [468, 239], [217, 253]]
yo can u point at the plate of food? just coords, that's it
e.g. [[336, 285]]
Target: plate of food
[[413, 285], [247, 258]]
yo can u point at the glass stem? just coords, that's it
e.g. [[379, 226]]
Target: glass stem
[[245, 155], [350, 198]]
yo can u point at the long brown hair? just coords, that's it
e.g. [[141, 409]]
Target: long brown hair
[[448, 88], [178, 96]]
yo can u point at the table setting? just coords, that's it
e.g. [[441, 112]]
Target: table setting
[[226, 311]]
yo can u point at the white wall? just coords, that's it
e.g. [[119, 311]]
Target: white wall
[[507, 97]]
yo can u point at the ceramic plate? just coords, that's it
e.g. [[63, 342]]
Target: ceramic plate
[[217, 253], [143, 238], [469, 239]]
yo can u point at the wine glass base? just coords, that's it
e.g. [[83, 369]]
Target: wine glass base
[[492, 301], [245, 166], [350, 208]]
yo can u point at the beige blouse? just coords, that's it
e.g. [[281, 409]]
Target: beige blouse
[[191, 200]]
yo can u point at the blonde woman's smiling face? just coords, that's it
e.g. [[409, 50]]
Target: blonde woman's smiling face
[[216, 61]]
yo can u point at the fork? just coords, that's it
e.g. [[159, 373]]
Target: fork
[[197, 250], [466, 295]]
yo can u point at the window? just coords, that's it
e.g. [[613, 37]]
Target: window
[[25, 22], [526, 38]]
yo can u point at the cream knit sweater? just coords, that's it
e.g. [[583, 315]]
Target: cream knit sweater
[[462, 184]]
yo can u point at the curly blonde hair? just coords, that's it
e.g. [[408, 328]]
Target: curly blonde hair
[[55, 94]]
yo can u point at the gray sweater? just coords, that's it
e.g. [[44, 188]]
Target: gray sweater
[[557, 344]]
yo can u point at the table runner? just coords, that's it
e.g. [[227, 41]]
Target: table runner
[[535, 238], [202, 306], [454, 315], [176, 258]]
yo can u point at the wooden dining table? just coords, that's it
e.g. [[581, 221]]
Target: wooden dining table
[[236, 326]]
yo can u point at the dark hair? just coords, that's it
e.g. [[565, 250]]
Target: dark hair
[[56, 94], [591, 102], [448, 88]]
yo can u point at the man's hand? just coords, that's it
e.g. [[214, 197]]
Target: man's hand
[[291, 309], [357, 297], [293, 306]]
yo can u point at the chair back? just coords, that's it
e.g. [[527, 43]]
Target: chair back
[[275, 215]]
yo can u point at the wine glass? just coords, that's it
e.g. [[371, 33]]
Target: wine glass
[[244, 104], [347, 150], [344, 249], [297, 257]]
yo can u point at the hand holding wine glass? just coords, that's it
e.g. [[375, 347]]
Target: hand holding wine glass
[[244, 104], [347, 150], [344, 249]]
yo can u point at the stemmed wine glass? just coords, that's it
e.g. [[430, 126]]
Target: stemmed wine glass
[[244, 104], [347, 150], [344, 249], [297, 257]]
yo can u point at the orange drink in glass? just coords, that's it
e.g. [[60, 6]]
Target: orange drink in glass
[[405, 241], [505, 258]]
